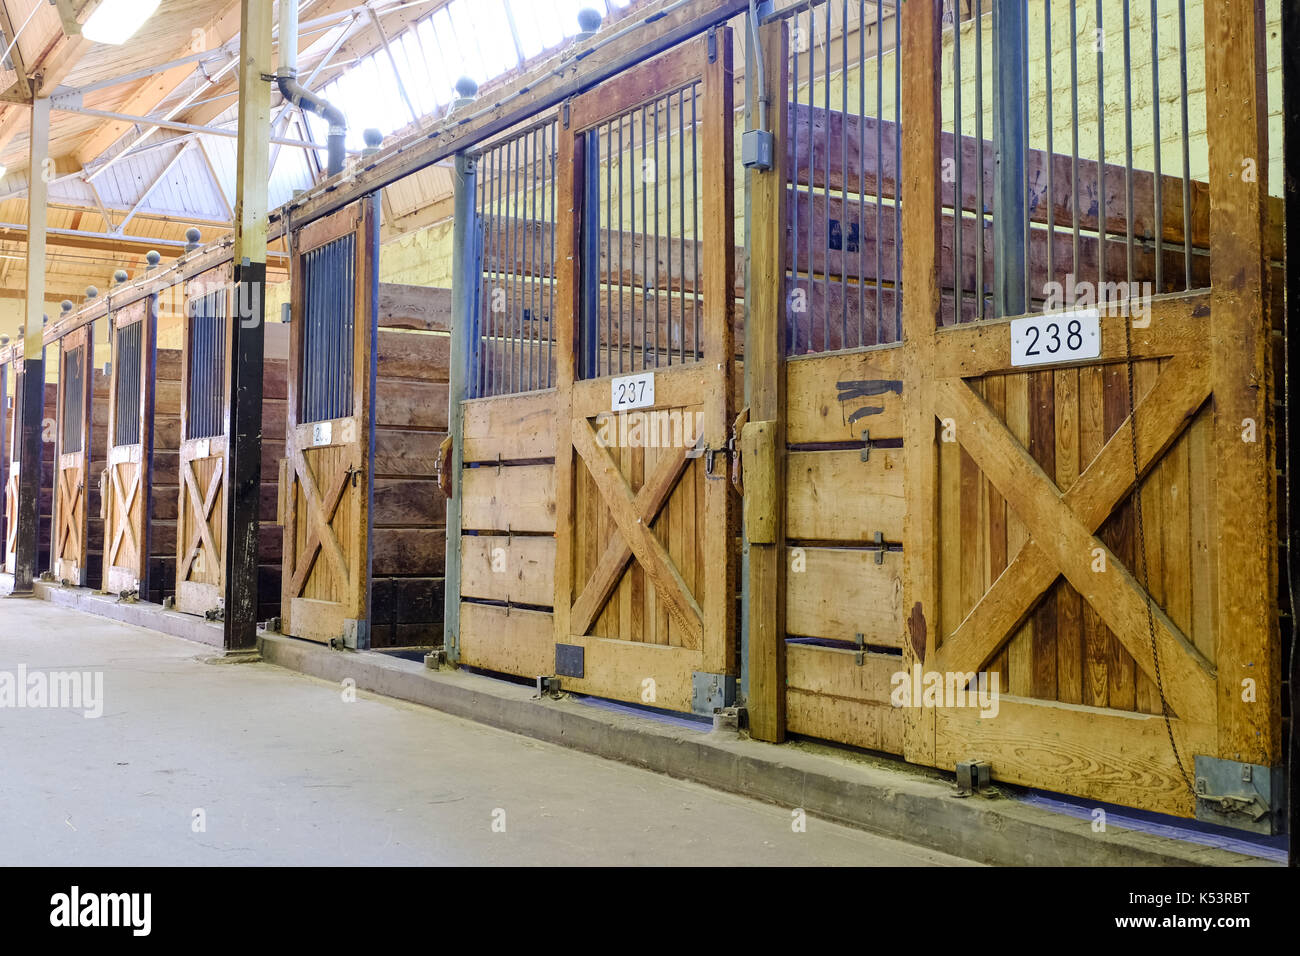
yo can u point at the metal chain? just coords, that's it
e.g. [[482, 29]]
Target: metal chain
[[1136, 497]]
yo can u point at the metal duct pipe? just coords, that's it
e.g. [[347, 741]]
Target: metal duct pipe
[[286, 78]]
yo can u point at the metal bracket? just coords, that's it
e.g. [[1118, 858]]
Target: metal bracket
[[548, 686], [564, 114], [972, 775], [1240, 795], [866, 444], [70, 100], [711, 692], [713, 44], [356, 634], [570, 660], [860, 643], [879, 539]]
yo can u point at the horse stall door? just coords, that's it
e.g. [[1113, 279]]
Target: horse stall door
[[71, 513], [646, 521], [204, 447], [325, 480], [125, 485], [13, 438]]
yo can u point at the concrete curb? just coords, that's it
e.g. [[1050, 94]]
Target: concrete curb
[[897, 801], [140, 614]]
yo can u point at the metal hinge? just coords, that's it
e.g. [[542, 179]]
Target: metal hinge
[[713, 44], [564, 114], [879, 539], [860, 643], [866, 444]]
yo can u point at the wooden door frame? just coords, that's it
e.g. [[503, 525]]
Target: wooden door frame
[[78, 338], [709, 59], [112, 494], [194, 596], [361, 219]]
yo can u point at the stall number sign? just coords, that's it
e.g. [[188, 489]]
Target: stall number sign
[[1056, 337], [632, 391], [321, 433]]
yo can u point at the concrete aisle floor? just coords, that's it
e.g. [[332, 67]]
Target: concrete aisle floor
[[284, 771]]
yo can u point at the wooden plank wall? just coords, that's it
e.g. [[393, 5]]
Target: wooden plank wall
[[408, 544], [275, 402], [835, 588], [508, 546]]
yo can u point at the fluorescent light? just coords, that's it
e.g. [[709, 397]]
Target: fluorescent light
[[115, 21], [3, 169]]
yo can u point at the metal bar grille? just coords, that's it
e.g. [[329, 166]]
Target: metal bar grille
[[1105, 218], [843, 275], [126, 394], [513, 350], [643, 271], [206, 375], [329, 306], [74, 395]]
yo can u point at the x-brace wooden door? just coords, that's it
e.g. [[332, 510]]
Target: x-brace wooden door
[[325, 475], [645, 585], [71, 520], [205, 446], [125, 486]]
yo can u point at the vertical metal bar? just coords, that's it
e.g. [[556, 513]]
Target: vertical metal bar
[[1024, 148], [550, 337], [844, 171], [1009, 288], [668, 233], [979, 157], [1074, 140], [1128, 151], [516, 266], [1158, 197], [622, 202], [530, 253], [1050, 154], [792, 332], [824, 240], [862, 167], [656, 258], [645, 237], [492, 256], [607, 233], [958, 264], [589, 258], [696, 296], [898, 175], [1100, 43], [681, 257], [1187, 162], [880, 191]]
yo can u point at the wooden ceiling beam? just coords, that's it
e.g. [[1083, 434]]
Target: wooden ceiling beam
[[151, 92], [23, 84]]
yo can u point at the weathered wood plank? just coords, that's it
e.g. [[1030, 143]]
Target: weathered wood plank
[[836, 496], [520, 498]]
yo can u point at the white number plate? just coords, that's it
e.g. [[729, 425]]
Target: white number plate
[[321, 433], [1056, 337], [632, 391]]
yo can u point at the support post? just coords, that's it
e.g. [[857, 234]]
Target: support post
[[919, 190], [1291, 194], [1241, 375], [1009, 136], [247, 328], [763, 588], [464, 296], [33, 392]]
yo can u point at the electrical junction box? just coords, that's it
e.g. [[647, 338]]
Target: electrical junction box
[[756, 149]]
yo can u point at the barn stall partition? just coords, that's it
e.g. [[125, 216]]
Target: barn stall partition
[[81, 431], [597, 522], [198, 554], [363, 520], [959, 506], [138, 484], [11, 357]]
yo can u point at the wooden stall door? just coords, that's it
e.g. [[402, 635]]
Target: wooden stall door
[[204, 446], [645, 600], [124, 487], [71, 518], [324, 478]]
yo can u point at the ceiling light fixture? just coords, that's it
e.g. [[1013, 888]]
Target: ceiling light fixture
[[116, 21]]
